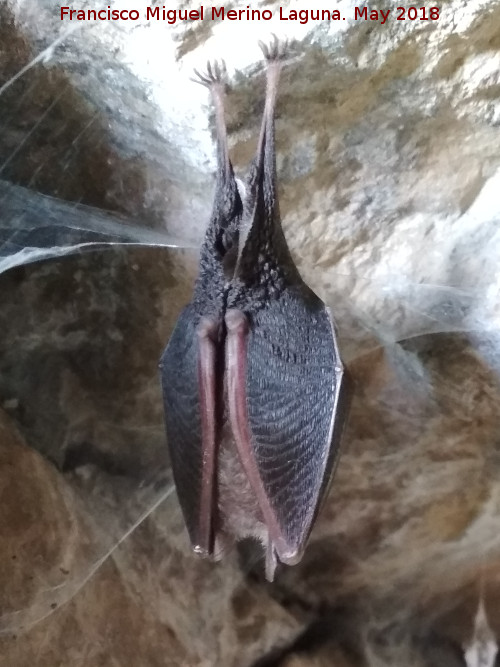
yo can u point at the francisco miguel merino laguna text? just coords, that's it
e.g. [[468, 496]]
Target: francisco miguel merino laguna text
[[220, 13]]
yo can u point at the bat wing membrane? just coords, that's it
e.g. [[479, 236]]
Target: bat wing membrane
[[188, 382], [295, 412]]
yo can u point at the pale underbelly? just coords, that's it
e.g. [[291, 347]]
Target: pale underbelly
[[239, 515]]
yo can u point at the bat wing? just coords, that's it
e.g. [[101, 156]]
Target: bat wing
[[288, 403], [188, 378]]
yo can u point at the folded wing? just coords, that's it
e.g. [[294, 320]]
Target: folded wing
[[287, 372]]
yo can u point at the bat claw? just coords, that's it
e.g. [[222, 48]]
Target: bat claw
[[200, 551], [275, 51], [215, 74]]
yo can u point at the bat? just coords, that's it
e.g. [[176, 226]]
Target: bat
[[254, 390]]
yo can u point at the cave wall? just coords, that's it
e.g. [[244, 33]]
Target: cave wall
[[389, 162]]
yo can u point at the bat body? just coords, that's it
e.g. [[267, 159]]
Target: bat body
[[254, 389]]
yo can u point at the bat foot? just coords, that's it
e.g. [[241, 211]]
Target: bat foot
[[276, 51], [215, 74]]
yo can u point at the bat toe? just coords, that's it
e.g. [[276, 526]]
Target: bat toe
[[215, 74], [274, 51]]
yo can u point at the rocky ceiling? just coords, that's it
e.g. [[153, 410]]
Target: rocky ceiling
[[389, 164]]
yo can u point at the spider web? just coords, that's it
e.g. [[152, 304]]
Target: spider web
[[36, 227]]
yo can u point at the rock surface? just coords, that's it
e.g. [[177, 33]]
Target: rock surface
[[389, 162]]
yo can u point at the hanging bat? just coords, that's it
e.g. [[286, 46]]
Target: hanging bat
[[254, 389]]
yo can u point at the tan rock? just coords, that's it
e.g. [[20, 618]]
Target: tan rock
[[389, 163]]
